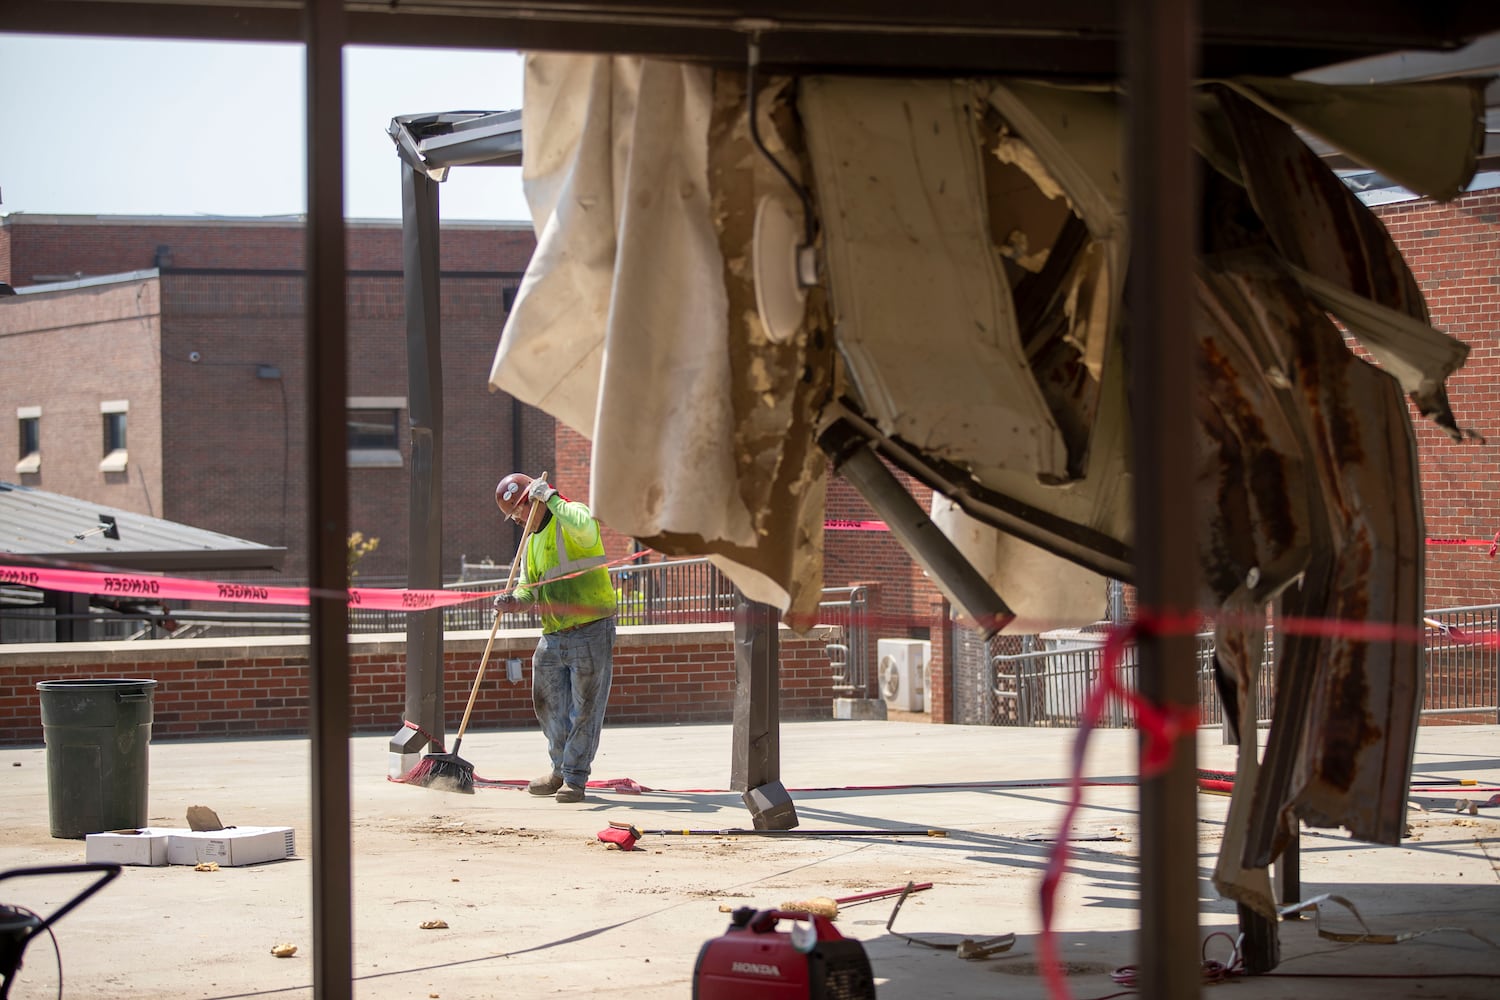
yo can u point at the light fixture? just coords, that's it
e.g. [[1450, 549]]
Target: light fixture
[[106, 526]]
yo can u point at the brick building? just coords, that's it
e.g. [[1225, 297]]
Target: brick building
[[217, 442], [184, 339]]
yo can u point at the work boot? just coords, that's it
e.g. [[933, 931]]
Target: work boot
[[570, 793], [545, 785]]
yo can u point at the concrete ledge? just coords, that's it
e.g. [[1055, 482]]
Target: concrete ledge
[[858, 709], [258, 686], [362, 644]]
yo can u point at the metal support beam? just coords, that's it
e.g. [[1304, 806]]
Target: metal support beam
[[948, 37], [1161, 49], [327, 503], [1287, 870], [420, 253], [755, 770], [853, 459], [71, 621]]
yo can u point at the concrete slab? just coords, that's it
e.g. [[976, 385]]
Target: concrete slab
[[537, 907]]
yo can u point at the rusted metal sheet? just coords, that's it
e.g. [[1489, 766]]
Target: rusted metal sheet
[[1321, 229]]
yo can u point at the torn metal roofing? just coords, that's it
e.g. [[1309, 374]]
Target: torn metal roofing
[[42, 525], [432, 143]]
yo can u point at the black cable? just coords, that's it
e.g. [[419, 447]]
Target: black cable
[[56, 951], [809, 218]]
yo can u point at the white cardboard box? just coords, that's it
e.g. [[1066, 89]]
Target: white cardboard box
[[146, 846], [239, 845]]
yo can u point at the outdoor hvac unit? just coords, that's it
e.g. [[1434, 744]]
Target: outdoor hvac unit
[[903, 673]]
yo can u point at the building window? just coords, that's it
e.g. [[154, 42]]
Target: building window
[[29, 423], [114, 413], [374, 424]]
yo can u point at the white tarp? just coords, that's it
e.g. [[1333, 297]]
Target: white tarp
[[621, 326]]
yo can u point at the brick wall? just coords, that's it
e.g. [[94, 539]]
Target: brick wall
[[1454, 251], [258, 687]]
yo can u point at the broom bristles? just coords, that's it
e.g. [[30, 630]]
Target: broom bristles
[[445, 771]]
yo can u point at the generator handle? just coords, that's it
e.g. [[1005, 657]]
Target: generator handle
[[766, 920]]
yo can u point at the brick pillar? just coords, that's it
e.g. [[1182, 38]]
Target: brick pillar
[[873, 628], [940, 681]]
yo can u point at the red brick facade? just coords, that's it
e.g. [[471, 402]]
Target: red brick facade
[[1454, 251], [215, 444]]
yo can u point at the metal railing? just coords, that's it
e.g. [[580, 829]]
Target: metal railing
[[1463, 663], [1044, 680], [672, 592], [675, 592], [847, 611]]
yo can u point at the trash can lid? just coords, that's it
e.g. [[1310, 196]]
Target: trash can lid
[[94, 682]]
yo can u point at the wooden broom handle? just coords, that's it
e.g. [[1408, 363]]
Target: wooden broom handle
[[484, 660]]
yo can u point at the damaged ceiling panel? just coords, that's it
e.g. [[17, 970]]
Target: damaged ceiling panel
[[927, 325], [971, 237], [965, 323]]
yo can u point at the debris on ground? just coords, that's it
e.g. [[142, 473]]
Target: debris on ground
[[206, 866], [284, 950], [434, 925], [973, 950], [202, 819]]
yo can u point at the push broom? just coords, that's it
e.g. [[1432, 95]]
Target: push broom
[[448, 771]]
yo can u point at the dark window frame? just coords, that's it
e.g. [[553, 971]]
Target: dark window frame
[[116, 426], [30, 433]]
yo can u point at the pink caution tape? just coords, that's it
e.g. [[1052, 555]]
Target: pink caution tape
[[847, 524], [182, 589], [1490, 544], [1162, 726], [151, 587]]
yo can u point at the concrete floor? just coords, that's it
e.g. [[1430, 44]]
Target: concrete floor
[[537, 907]]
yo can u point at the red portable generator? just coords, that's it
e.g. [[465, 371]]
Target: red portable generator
[[755, 961]]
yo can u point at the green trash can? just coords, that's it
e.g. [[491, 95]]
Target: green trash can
[[97, 731]]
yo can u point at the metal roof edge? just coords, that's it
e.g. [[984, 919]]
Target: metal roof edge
[[239, 221], [121, 278]]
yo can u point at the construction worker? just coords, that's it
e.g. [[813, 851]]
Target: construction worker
[[563, 573]]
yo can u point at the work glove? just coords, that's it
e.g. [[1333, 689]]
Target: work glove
[[506, 602], [540, 492]]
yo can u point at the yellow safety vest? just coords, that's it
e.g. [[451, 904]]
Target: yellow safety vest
[[565, 570]]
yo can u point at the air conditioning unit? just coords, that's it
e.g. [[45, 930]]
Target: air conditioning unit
[[903, 673]]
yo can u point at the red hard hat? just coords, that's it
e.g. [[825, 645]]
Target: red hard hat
[[510, 494]]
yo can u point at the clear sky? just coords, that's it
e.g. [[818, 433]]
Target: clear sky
[[123, 127]]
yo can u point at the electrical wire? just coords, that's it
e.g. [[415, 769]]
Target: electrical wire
[[809, 218]]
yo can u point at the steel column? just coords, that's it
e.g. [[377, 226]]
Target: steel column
[[932, 550], [1161, 50], [327, 502], [755, 769], [420, 255]]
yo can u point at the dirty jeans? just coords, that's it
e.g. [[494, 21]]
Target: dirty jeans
[[570, 678]]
